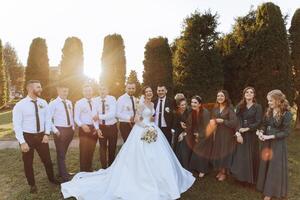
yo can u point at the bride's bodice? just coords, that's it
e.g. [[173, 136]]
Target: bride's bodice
[[147, 114]]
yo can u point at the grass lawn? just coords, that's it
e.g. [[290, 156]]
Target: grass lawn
[[6, 131], [14, 186]]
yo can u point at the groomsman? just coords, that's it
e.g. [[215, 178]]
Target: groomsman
[[32, 125], [105, 113], [126, 110], [87, 134], [61, 113], [164, 112]]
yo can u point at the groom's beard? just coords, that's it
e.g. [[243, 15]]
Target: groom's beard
[[37, 93]]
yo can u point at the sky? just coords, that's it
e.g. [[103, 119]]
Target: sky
[[92, 20]]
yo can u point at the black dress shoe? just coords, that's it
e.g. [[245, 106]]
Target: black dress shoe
[[33, 189], [55, 182]]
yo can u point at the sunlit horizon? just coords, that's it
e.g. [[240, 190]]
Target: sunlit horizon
[[91, 21]]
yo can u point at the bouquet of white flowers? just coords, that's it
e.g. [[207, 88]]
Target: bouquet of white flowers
[[150, 134]]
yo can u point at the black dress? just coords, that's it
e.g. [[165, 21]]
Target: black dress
[[273, 167], [246, 157], [202, 149], [181, 148], [224, 140]]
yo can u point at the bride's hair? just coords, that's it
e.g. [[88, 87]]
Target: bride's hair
[[145, 88]]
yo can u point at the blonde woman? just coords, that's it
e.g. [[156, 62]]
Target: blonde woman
[[273, 169]]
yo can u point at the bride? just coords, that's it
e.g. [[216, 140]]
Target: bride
[[145, 168]]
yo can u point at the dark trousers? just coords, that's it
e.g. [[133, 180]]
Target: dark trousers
[[108, 144], [167, 133], [87, 144], [125, 129], [62, 143], [34, 141]]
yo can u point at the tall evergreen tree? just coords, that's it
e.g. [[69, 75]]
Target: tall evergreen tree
[[271, 60], [3, 81], [236, 49], [158, 68], [38, 65], [71, 66], [14, 67], [295, 56], [197, 62], [134, 79], [113, 68], [256, 54]]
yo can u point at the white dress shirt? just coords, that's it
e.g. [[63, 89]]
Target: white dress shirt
[[163, 121], [58, 113], [125, 108], [83, 114], [24, 118], [110, 110]]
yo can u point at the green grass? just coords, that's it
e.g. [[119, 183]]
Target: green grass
[[14, 186], [6, 130]]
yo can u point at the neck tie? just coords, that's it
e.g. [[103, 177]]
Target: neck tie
[[133, 107], [37, 118], [67, 112], [159, 113], [90, 104], [103, 110]]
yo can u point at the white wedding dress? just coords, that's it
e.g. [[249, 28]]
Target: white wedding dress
[[141, 171]]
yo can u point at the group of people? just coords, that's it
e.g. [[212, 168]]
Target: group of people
[[191, 138], [227, 139]]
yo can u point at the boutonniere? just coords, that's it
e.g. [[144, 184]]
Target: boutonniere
[[167, 109], [41, 106]]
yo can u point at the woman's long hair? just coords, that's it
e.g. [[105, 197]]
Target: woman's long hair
[[242, 104], [199, 99], [194, 113], [280, 101], [227, 101]]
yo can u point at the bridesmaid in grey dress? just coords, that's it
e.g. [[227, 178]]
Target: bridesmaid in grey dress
[[180, 147], [225, 119], [246, 157], [196, 125], [273, 169]]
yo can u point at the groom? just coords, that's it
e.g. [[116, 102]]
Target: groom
[[164, 112]]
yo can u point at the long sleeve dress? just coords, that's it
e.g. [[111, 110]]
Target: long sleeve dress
[[246, 157], [273, 168], [224, 142], [202, 149], [182, 150]]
